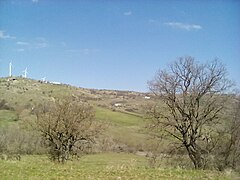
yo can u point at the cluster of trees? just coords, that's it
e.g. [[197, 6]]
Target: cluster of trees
[[63, 129]]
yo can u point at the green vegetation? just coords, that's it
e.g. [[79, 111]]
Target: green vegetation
[[195, 97], [118, 118], [125, 150], [125, 129], [7, 116], [68, 128], [99, 166]]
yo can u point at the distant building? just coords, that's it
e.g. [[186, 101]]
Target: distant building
[[12, 79], [147, 97], [53, 82], [117, 104]]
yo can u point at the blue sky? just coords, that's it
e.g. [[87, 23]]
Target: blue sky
[[115, 44]]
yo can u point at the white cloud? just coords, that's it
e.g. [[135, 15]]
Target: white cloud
[[88, 51], [152, 21], [72, 50], [36, 43], [85, 51], [20, 50], [3, 35], [40, 42], [184, 26], [128, 13], [41, 45], [35, 1], [40, 39], [22, 43]]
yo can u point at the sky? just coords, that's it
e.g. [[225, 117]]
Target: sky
[[115, 44]]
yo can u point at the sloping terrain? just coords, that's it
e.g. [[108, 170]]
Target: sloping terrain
[[121, 110], [19, 91]]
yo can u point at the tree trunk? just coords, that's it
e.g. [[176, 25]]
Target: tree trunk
[[195, 156]]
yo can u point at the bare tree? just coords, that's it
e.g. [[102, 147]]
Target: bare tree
[[67, 127], [191, 93]]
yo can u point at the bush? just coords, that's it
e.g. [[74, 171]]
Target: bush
[[14, 140]]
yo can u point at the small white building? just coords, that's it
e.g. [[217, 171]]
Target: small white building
[[117, 104], [147, 97], [54, 82]]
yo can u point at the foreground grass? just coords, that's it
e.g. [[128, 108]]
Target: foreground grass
[[99, 166]]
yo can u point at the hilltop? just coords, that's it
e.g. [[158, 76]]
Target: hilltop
[[18, 91]]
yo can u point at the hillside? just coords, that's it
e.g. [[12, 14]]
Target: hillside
[[121, 110], [19, 91]]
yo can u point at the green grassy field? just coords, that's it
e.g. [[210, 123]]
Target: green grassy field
[[125, 128], [99, 166], [118, 118]]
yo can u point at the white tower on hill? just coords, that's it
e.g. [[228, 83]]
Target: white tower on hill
[[25, 73], [10, 69]]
